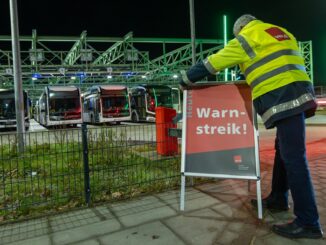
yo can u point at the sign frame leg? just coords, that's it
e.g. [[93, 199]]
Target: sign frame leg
[[259, 200], [182, 193]]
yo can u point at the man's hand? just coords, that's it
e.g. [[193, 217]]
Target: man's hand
[[195, 73], [182, 84]]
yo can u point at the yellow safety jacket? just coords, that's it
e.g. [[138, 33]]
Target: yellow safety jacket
[[268, 56]]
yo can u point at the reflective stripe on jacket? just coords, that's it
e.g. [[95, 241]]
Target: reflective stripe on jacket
[[268, 56]]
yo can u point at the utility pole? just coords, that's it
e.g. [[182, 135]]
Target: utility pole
[[192, 28], [193, 44], [19, 98]]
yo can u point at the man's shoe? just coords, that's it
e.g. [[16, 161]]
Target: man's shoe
[[271, 204], [292, 230]]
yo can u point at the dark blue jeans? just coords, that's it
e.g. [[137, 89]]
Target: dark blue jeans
[[291, 170]]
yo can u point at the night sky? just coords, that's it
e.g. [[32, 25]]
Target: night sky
[[306, 19]]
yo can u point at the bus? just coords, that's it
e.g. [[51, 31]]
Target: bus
[[59, 105], [8, 109], [106, 104], [145, 98]]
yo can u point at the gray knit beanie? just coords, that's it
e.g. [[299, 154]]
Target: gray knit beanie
[[241, 22]]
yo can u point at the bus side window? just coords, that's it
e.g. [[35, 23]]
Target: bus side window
[[132, 102], [90, 105], [85, 105], [98, 108], [141, 101]]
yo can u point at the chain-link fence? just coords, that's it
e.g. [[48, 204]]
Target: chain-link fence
[[67, 168]]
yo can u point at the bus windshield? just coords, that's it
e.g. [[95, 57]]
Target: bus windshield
[[115, 105], [7, 108], [159, 97], [61, 105]]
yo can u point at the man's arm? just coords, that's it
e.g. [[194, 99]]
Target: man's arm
[[231, 55], [194, 74]]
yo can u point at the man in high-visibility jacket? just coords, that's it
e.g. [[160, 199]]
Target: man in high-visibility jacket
[[269, 58]]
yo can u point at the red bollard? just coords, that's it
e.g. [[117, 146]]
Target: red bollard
[[165, 144]]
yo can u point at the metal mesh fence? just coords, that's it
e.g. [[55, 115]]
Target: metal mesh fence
[[49, 173], [66, 168], [124, 162]]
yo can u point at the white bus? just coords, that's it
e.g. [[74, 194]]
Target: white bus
[[8, 109], [60, 105], [106, 104], [145, 98]]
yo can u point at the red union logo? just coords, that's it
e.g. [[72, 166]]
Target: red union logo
[[277, 33], [237, 159]]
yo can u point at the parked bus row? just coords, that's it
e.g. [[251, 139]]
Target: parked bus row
[[100, 104], [66, 105]]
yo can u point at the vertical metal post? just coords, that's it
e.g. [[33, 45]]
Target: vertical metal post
[[86, 165], [183, 152], [258, 184], [182, 192], [19, 98], [259, 200], [311, 62], [33, 49], [225, 31], [193, 45], [164, 53], [192, 28]]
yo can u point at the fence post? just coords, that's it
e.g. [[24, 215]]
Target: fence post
[[86, 165]]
